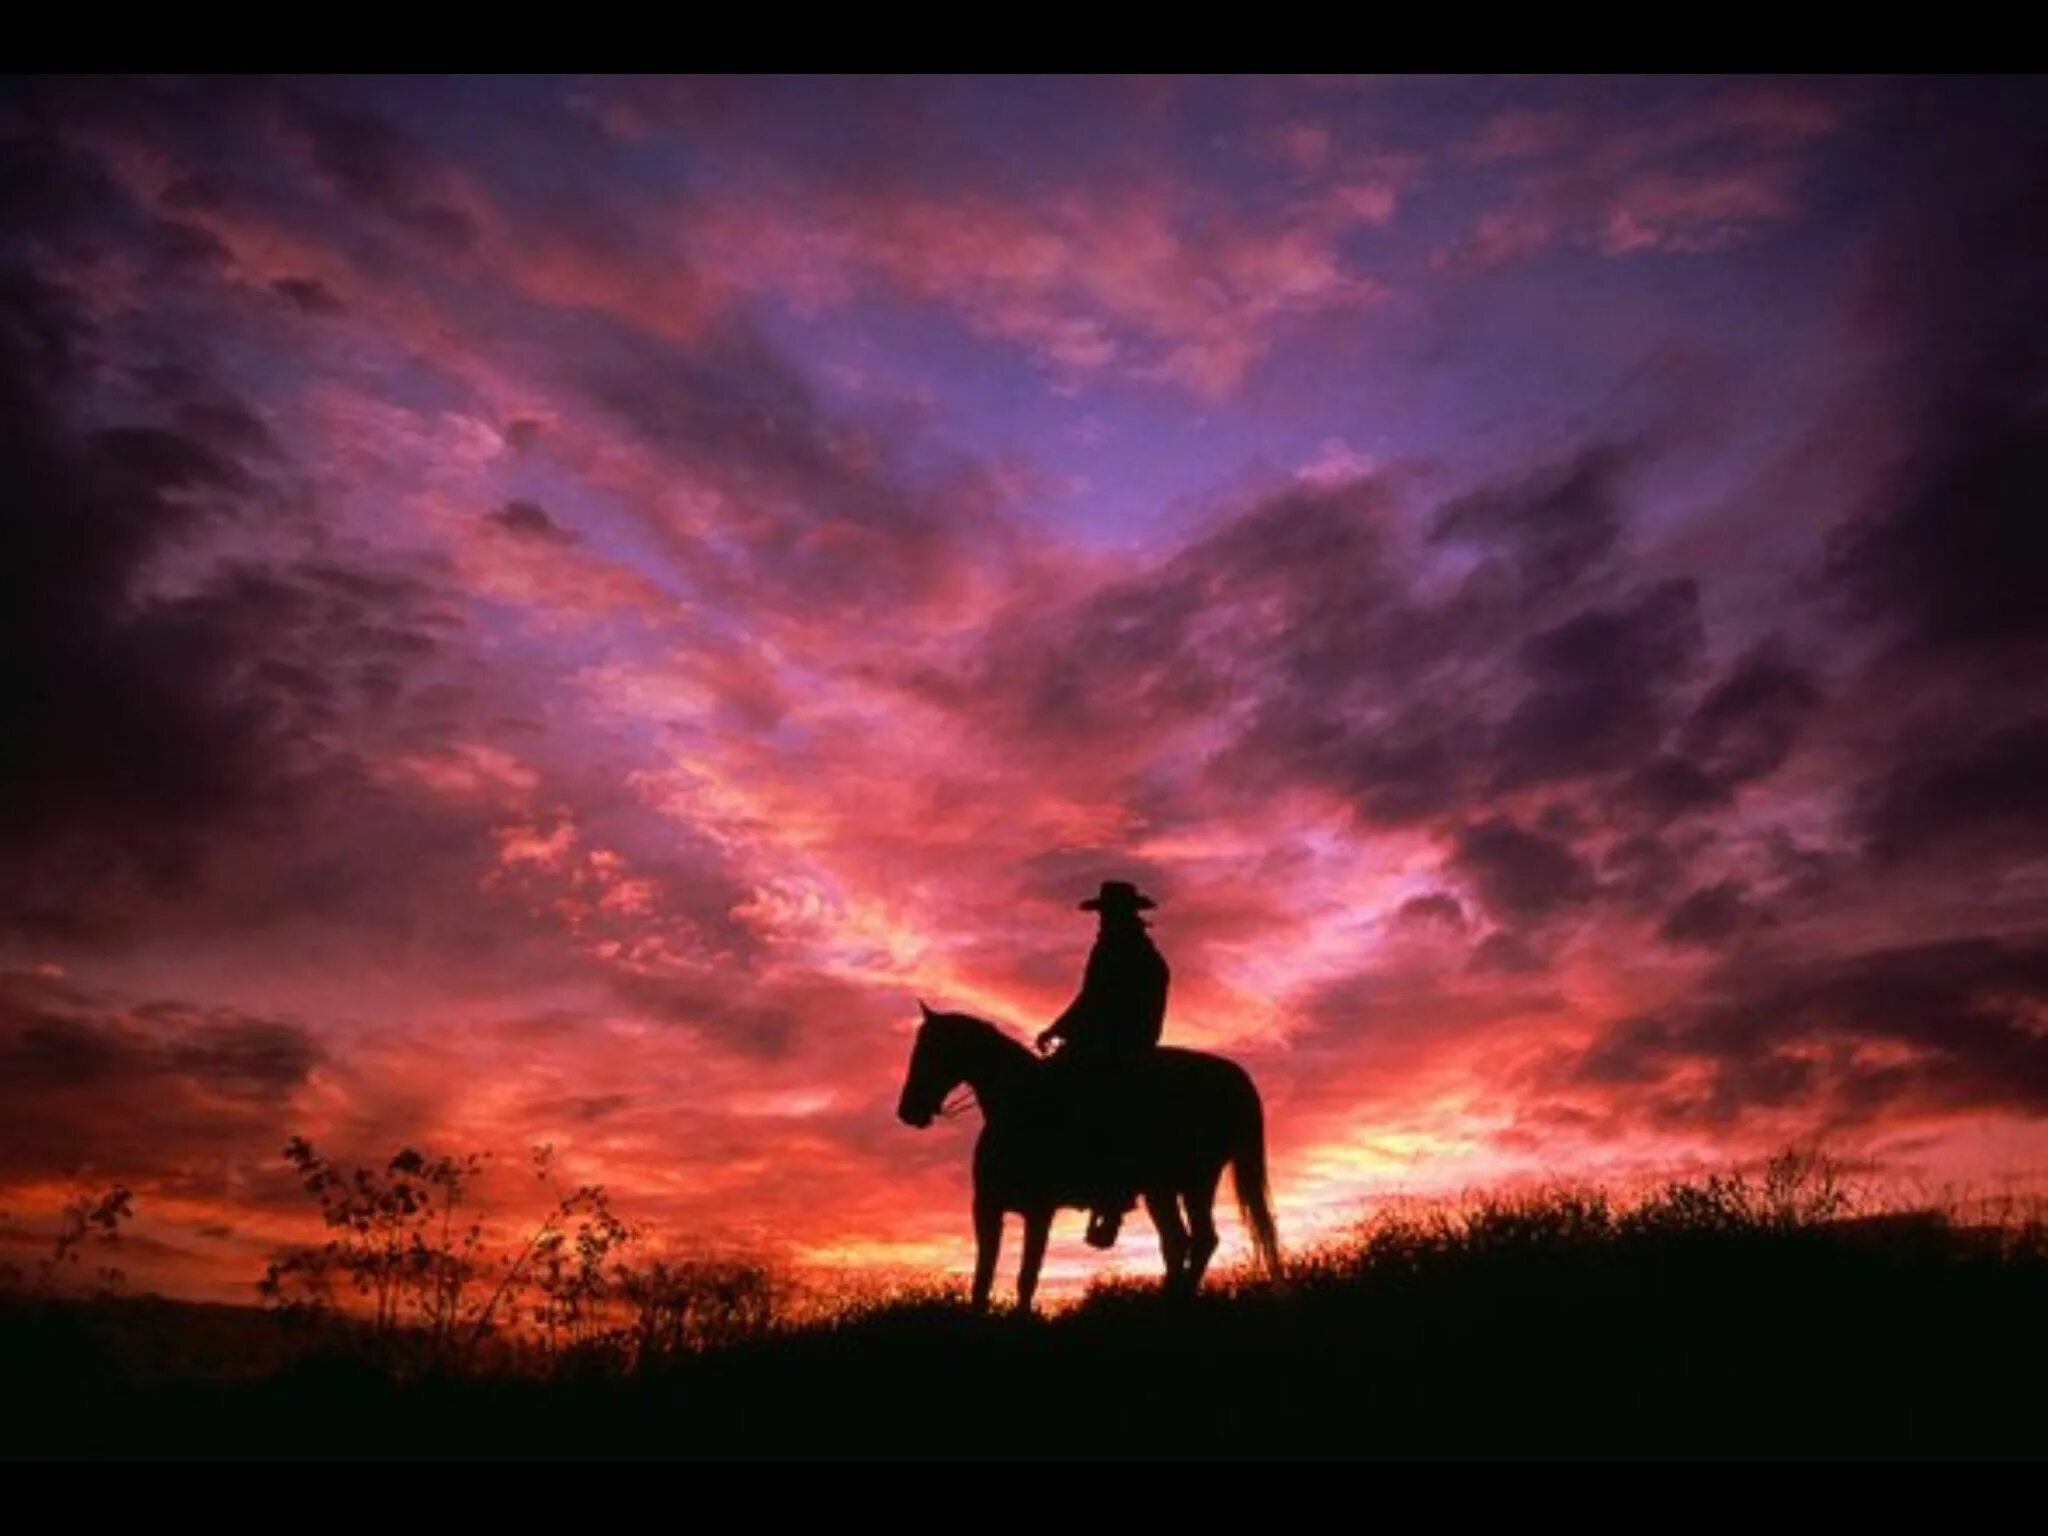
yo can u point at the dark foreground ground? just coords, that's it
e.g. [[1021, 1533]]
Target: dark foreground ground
[[1902, 1339]]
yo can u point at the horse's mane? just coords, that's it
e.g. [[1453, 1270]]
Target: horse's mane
[[992, 1030]]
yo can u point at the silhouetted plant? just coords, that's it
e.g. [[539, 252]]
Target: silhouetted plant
[[1804, 1187], [409, 1245], [1799, 1188], [91, 1220], [401, 1243], [695, 1304], [562, 1260]]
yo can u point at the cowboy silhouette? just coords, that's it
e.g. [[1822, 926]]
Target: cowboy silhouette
[[1105, 1037]]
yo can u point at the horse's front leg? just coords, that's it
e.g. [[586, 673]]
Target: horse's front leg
[[988, 1243], [1037, 1226]]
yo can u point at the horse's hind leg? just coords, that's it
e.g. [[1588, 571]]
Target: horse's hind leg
[[1201, 1204], [1164, 1210]]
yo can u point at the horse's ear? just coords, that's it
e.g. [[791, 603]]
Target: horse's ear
[[924, 1008]]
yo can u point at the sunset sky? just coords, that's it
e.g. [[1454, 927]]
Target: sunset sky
[[556, 610]]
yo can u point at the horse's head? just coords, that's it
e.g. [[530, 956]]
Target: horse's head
[[935, 1068]]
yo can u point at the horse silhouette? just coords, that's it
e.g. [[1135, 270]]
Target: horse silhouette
[[1190, 1113]]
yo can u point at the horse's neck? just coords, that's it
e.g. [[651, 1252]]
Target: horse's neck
[[1000, 1072]]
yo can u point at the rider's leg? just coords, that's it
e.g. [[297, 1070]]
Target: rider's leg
[[1117, 1194]]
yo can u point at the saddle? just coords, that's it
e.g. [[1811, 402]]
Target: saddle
[[1093, 1104]]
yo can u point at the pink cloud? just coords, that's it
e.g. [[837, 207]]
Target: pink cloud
[[1695, 178], [1661, 212], [1150, 279]]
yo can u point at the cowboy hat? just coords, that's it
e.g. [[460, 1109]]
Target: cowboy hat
[[1119, 894]]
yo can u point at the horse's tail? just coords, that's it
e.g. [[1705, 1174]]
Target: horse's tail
[[1248, 1175]]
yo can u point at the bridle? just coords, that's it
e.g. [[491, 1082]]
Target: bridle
[[956, 1102]]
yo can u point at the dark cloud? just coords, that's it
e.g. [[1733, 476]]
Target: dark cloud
[[185, 244], [1555, 526], [1711, 917], [309, 295], [1599, 688], [1506, 954], [145, 715], [823, 510], [1801, 871], [1436, 909], [380, 169], [228, 426], [1989, 794], [1520, 875], [1291, 625], [258, 1058], [1294, 630], [1270, 612], [766, 1021], [1349, 674], [529, 520], [1936, 1028], [113, 701], [84, 1079], [1413, 771], [1742, 731], [1640, 872], [1942, 563], [52, 198], [1946, 559], [1630, 1052], [588, 1109]]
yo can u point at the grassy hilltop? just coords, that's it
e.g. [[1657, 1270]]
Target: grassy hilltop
[[1717, 1318]]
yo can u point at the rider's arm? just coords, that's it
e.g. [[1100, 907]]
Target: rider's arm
[[1063, 1026]]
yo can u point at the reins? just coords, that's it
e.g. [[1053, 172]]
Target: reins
[[958, 1105]]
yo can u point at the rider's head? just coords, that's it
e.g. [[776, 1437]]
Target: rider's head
[[1119, 900]]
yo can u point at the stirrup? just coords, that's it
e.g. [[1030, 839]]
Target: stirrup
[[1103, 1227]]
